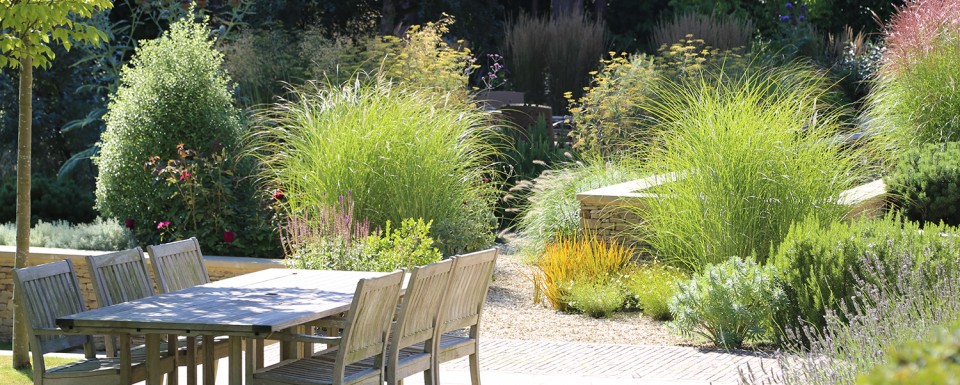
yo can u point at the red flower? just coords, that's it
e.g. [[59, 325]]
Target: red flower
[[184, 176], [163, 224], [229, 236], [129, 223], [278, 194]]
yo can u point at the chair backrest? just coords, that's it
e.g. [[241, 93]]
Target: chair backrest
[[46, 292], [467, 290], [417, 318], [120, 277], [368, 321], [178, 265]]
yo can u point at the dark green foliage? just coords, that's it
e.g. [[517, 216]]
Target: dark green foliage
[[820, 265], [930, 361], [50, 200], [926, 182]]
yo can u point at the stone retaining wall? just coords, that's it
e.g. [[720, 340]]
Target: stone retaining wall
[[218, 268], [603, 210]]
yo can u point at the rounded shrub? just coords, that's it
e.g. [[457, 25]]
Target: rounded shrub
[[166, 160], [728, 303], [926, 181], [651, 286], [399, 152]]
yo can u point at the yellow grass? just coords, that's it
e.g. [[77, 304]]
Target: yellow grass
[[576, 259]]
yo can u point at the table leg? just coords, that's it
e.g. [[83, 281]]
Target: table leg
[[209, 361], [173, 351], [126, 361], [154, 372], [236, 360], [288, 350], [191, 360]]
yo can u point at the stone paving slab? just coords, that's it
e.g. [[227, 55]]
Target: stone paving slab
[[569, 363]]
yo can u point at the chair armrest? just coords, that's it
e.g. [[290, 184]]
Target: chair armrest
[[304, 338]]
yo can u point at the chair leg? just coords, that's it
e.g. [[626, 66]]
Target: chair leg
[[209, 360], [475, 368], [173, 349]]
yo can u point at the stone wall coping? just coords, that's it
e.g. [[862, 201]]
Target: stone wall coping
[[55, 254], [625, 192]]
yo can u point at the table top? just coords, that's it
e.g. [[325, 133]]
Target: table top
[[251, 304]]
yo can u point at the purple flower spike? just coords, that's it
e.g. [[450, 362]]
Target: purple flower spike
[[784, 17], [788, 5]]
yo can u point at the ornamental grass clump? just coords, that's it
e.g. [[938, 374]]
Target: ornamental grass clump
[[402, 153], [750, 155], [650, 287], [914, 95], [578, 259]]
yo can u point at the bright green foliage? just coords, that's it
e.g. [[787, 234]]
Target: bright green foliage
[[101, 234], [394, 248], [585, 259], [750, 155], [401, 153], [595, 298], [932, 361], [174, 110], [915, 98], [650, 287], [819, 264], [554, 210], [610, 115], [926, 180], [728, 303], [31, 26]]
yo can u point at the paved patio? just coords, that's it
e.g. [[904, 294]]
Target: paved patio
[[569, 363], [566, 363]]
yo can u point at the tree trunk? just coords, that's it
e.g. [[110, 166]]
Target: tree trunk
[[388, 17], [21, 344]]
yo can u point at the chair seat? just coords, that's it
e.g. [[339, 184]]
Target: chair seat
[[317, 370], [450, 343], [103, 366]]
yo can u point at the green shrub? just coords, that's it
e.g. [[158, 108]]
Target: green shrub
[[595, 298], [930, 361], [727, 303], [401, 153], [820, 264], [584, 259], [101, 234], [404, 247], [914, 95], [651, 286], [925, 181], [898, 300], [174, 97], [553, 56], [554, 209], [51, 199], [750, 156]]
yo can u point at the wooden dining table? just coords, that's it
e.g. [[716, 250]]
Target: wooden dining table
[[252, 305]]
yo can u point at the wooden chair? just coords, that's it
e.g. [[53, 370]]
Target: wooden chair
[[364, 336], [119, 277], [462, 308], [49, 291], [412, 339], [176, 266]]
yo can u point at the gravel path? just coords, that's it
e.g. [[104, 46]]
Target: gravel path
[[511, 314]]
